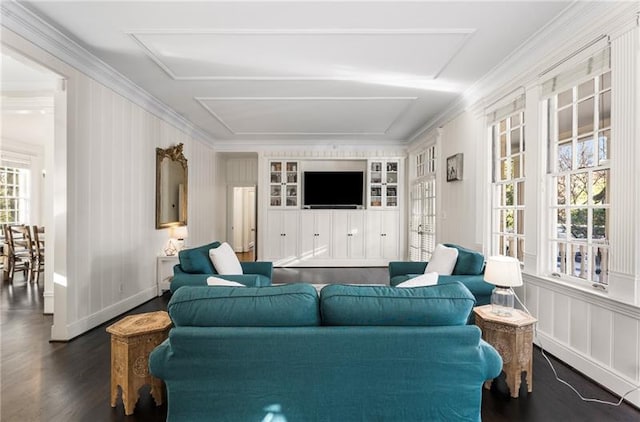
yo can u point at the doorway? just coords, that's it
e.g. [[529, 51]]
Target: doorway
[[34, 122], [242, 217]]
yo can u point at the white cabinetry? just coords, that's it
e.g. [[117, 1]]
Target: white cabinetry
[[292, 236], [315, 235], [348, 234], [284, 188], [383, 184], [382, 241], [281, 243]]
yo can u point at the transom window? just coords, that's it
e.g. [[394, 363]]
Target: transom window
[[579, 142], [508, 186]]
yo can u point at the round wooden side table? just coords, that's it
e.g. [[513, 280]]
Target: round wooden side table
[[132, 339]]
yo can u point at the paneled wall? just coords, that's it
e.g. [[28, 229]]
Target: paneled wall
[[104, 234]]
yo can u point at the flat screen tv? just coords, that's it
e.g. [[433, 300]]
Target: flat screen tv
[[333, 189]]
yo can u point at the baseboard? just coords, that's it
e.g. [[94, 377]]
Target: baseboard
[[85, 324], [48, 302], [605, 376]]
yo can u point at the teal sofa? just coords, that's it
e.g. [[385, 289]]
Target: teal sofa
[[469, 270], [195, 267], [353, 353]]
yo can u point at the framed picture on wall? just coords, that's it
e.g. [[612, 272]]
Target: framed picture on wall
[[454, 167]]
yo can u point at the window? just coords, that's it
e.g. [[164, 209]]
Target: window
[[579, 132], [14, 195], [422, 231], [508, 186]]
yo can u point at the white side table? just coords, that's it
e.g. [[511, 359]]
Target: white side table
[[164, 271]]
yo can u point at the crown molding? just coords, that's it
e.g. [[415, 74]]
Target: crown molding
[[304, 145], [20, 20], [552, 43]]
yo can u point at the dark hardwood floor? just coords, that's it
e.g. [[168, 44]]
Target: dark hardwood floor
[[69, 382]]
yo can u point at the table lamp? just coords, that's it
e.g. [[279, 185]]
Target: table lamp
[[504, 273], [180, 233], [176, 240]]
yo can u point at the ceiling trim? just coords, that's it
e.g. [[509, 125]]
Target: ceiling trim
[[202, 102], [19, 19], [134, 35]]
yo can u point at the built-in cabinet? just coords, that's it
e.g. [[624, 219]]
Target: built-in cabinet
[[383, 184], [382, 230], [292, 236], [284, 186], [282, 234], [315, 234], [331, 237], [348, 234]]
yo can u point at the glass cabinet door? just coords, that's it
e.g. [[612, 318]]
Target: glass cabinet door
[[383, 184], [283, 184], [391, 182], [375, 184], [291, 184]]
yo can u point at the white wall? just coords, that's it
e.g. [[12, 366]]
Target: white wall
[[460, 213], [106, 243]]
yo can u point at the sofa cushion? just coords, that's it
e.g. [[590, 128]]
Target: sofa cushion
[[288, 305], [196, 260], [469, 262], [443, 260], [217, 281], [225, 260], [443, 304], [428, 279]]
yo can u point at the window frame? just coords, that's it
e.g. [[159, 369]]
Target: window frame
[[502, 165], [11, 203], [562, 246]]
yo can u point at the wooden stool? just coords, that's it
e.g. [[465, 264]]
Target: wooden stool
[[132, 339], [513, 339]]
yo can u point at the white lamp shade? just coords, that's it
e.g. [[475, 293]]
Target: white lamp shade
[[503, 271], [179, 232]]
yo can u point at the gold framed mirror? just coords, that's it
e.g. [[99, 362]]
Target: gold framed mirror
[[171, 187]]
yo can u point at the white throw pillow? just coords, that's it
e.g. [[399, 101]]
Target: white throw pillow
[[224, 260], [215, 281], [429, 279], [442, 260]]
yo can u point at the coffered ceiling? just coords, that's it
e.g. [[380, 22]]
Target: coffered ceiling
[[302, 72]]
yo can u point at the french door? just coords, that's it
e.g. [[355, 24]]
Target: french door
[[422, 226]]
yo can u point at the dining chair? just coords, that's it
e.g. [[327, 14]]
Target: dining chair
[[37, 248], [17, 240]]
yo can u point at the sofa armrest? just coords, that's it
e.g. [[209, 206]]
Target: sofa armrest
[[406, 267], [264, 268], [158, 359], [492, 359]]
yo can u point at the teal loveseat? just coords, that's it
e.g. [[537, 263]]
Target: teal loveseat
[[195, 267], [354, 353], [469, 270]]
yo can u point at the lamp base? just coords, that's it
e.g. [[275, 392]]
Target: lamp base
[[502, 301], [170, 249]]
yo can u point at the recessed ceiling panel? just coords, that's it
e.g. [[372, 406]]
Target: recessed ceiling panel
[[307, 116], [357, 54]]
